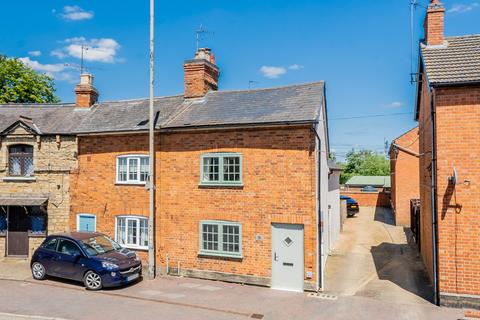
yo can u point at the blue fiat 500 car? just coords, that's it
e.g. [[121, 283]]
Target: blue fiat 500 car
[[92, 258]]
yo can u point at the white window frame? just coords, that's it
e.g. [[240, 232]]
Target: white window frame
[[139, 158], [86, 215], [129, 245], [220, 252]]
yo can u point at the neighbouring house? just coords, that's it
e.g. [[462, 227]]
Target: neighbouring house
[[244, 191], [333, 218], [37, 153], [448, 112], [404, 173], [368, 191]]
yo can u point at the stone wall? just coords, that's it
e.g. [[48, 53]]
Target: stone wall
[[54, 158]]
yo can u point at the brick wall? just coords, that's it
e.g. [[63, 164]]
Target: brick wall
[[369, 199], [279, 187], [457, 132], [404, 172], [53, 160]]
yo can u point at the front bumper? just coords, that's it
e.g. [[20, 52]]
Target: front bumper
[[121, 277]]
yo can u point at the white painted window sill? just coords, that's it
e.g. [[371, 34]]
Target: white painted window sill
[[20, 179]]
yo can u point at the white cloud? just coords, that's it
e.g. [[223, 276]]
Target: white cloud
[[395, 104], [461, 8], [100, 50], [75, 13], [58, 71], [295, 67], [272, 72], [35, 53]]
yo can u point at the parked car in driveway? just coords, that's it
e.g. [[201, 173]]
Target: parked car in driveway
[[369, 189], [90, 257], [352, 206]]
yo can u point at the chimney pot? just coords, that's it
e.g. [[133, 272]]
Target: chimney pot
[[201, 74], [435, 23], [86, 94]]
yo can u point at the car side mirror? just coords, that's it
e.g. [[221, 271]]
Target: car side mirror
[[77, 256]]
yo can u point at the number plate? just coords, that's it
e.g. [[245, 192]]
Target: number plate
[[133, 277]]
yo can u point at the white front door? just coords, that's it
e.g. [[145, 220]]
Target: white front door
[[287, 257]]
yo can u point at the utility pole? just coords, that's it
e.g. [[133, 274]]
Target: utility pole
[[151, 141]]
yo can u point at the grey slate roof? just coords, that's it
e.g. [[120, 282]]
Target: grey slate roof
[[289, 104], [298, 103], [456, 61], [49, 119]]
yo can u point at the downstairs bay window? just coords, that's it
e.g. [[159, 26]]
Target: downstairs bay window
[[221, 238], [132, 232]]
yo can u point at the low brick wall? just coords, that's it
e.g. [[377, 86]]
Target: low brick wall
[[369, 199]]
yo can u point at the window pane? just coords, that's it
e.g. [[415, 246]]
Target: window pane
[[144, 232], [231, 238], [211, 169], [210, 237], [231, 169], [68, 247], [51, 244], [133, 169], [20, 160], [122, 169], [121, 232], [144, 169], [132, 229], [15, 166], [3, 221]]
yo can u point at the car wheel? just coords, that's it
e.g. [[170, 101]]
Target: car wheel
[[38, 271], [92, 281]]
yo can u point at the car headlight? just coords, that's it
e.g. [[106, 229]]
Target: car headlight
[[109, 265]]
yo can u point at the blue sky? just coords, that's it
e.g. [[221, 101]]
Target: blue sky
[[360, 48]]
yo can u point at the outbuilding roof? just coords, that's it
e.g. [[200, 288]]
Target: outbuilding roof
[[374, 181], [457, 61], [300, 103]]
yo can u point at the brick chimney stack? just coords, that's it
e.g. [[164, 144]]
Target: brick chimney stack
[[201, 74], [85, 92], [434, 23]]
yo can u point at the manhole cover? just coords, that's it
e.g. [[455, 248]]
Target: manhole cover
[[323, 296], [256, 316]]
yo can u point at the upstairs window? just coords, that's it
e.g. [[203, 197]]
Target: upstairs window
[[221, 169], [20, 160], [132, 169]]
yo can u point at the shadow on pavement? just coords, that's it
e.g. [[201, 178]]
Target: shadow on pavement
[[401, 265]]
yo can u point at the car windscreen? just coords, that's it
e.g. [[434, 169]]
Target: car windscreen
[[99, 245]]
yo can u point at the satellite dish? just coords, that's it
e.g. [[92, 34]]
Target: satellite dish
[[453, 178]]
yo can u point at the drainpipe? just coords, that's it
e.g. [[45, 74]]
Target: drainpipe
[[436, 286], [318, 215]]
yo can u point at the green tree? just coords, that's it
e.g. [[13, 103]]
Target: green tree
[[21, 84], [364, 163]]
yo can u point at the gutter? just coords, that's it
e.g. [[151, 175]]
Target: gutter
[[436, 284], [411, 152]]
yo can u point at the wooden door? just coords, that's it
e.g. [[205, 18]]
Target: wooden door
[[17, 232]]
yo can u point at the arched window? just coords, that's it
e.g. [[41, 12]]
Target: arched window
[[20, 160]]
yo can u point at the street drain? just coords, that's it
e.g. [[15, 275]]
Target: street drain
[[256, 316], [323, 296]]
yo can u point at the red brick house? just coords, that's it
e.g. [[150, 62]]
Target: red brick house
[[404, 175], [241, 186], [448, 112]]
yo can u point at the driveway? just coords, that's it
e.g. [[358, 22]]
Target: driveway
[[374, 258]]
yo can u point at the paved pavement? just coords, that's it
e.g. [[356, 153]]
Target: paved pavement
[[376, 259], [368, 277]]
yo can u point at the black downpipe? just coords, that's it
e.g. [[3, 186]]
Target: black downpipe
[[319, 215], [436, 284]]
